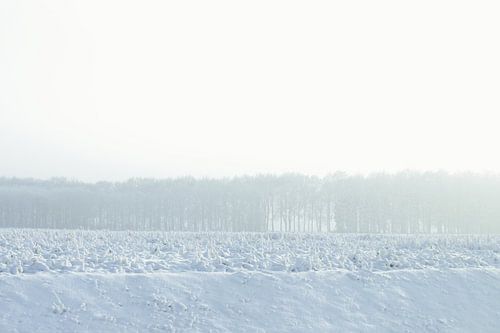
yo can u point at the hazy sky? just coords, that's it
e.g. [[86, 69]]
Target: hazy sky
[[113, 89]]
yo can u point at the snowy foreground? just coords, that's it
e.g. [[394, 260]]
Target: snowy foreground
[[65, 281]]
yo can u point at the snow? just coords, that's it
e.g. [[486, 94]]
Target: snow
[[33, 251], [456, 300], [66, 281]]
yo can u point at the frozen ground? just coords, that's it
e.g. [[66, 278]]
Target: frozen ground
[[65, 281]]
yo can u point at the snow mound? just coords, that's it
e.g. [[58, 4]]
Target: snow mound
[[427, 300]]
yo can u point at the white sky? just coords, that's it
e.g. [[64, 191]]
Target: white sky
[[113, 89]]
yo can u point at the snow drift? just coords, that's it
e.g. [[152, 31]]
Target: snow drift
[[454, 300]]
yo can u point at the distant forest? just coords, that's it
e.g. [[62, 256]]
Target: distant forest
[[406, 202]]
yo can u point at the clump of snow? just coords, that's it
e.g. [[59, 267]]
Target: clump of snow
[[36, 266]]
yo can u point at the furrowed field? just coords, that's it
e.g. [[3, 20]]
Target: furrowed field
[[32, 251]]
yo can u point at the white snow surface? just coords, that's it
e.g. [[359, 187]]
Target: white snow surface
[[100, 281]]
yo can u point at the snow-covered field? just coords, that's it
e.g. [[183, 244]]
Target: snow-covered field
[[247, 282], [32, 251]]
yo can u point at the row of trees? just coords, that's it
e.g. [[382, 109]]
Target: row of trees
[[406, 202]]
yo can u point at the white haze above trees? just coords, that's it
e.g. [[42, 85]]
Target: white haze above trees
[[407, 202], [115, 89]]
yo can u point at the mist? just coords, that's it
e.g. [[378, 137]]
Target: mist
[[112, 90], [249, 166], [401, 203]]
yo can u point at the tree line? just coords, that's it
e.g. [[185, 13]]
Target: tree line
[[406, 202]]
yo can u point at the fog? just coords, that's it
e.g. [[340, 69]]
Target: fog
[[239, 116], [108, 90], [406, 202], [249, 166]]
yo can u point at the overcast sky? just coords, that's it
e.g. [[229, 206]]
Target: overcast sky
[[105, 89]]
